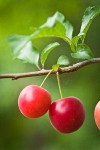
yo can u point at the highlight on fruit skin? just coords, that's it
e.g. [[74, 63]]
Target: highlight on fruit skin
[[67, 114], [34, 101], [97, 115]]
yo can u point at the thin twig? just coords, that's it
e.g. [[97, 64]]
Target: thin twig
[[68, 69]]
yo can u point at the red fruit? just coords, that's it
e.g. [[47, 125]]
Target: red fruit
[[97, 115], [67, 115], [34, 101]]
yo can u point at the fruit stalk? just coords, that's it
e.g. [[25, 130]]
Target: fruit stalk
[[59, 85], [45, 78]]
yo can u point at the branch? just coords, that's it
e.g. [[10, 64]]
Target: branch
[[68, 69]]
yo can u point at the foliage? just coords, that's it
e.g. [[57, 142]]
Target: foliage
[[55, 26]]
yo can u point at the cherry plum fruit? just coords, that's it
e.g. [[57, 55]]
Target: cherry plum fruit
[[67, 114], [34, 101], [97, 115]]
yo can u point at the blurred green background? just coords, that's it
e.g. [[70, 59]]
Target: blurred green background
[[18, 132]]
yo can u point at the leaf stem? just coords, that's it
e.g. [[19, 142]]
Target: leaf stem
[[38, 67], [46, 78], [59, 85]]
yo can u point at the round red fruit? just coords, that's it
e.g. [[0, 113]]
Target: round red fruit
[[34, 101], [97, 115], [67, 114]]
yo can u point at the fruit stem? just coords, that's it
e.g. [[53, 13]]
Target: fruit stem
[[59, 85], [45, 78]]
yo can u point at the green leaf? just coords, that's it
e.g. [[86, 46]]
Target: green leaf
[[55, 26], [47, 50], [83, 52], [17, 42], [75, 40], [56, 31], [63, 60], [51, 21], [69, 29], [89, 15], [29, 54], [23, 49], [55, 67], [74, 43]]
